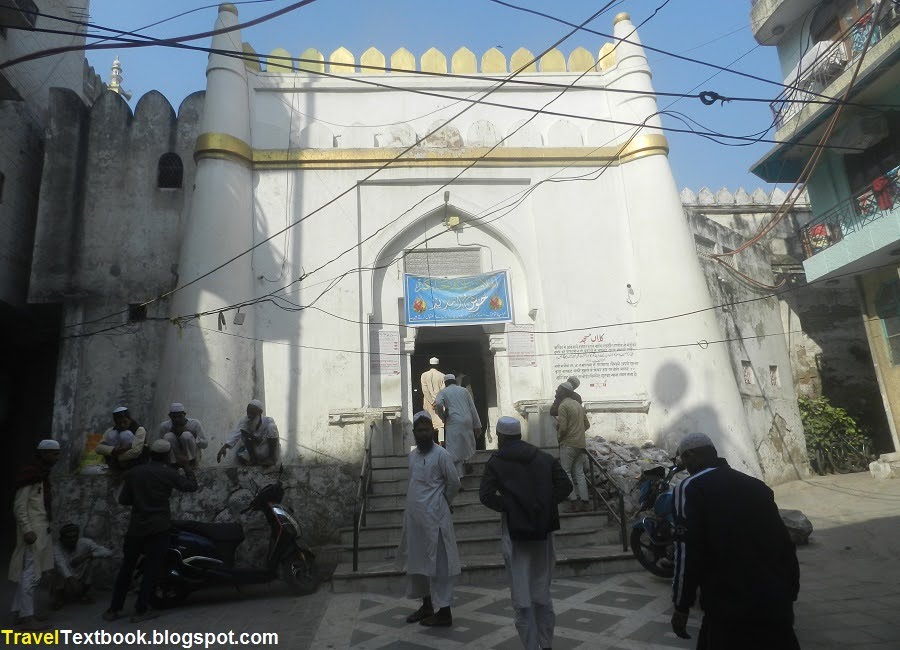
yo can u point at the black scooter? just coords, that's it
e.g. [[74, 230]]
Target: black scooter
[[201, 554]]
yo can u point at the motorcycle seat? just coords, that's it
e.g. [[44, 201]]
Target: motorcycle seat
[[223, 532]]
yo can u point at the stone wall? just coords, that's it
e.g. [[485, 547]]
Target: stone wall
[[321, 498], [822, 324]]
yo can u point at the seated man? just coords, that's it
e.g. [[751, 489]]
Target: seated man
[[123, 444], [184, 434], [258, 438], [73, 558]]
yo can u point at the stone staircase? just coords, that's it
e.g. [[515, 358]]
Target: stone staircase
[[586, 544]]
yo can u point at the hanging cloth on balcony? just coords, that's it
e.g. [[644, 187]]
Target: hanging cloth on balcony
[[884, 194]]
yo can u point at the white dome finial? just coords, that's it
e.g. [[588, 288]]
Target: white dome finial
[[115, 79]]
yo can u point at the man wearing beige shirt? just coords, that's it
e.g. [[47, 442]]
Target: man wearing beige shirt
[[432, 384], [571, 424]]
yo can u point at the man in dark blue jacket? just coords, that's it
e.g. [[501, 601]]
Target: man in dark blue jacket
[[526, 485], [731, 544]]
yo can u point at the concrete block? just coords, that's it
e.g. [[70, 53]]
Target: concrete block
[[798, 525], [881, 470]]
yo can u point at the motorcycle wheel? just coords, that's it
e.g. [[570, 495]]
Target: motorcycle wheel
[[652, 557], [166, 596], [300, 572]]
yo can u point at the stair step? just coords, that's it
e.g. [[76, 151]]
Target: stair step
[[481, 456], [479, 570], [397, 485], [393, 516], [486, 524], [386, 551], [398, 499]]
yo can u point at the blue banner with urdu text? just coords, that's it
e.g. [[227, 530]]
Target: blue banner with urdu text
[[469, 300]]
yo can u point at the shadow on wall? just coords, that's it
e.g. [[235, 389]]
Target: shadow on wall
[[669, 389]]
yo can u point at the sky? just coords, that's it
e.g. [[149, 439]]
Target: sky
[[715, 31]]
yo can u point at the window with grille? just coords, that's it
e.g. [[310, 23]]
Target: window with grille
[[887, 307], [747, 372], [170, 171]]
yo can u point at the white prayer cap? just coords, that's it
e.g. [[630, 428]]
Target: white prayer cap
[[434, 361], [575, 381], [567, 386], [422, 415], [175, 407], [255, 402], [694, 441], [449, 377], [161, 447], [120, 409], [48, 445], [508, 426]]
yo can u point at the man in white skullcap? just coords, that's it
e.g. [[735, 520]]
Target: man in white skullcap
[[432, 384], [571, 423], [34, 546], [147, 489], [256, 437], [462, 425], [722, 514], [526, 485], [184, 434], [428, 546], [123, 444]]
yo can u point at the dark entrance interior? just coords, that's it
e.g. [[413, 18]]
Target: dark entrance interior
[[461, 349]]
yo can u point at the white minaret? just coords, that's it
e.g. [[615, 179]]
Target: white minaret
[[115, 80], [213, 374], [685, 394]]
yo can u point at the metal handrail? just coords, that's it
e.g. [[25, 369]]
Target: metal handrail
[[617, 512], [852, 214], [842, 52], [362, 500]]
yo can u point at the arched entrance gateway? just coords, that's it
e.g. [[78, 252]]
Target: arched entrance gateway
[[455, 285]]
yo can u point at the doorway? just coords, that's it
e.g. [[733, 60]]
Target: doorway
[[461, 350]]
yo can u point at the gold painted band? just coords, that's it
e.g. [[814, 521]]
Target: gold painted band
[[221, 146]]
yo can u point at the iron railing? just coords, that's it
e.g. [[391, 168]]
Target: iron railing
[[617, 510], [362, 498], [828, 65], [853, 214]]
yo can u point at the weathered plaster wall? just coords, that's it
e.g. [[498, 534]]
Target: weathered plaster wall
[[758, 351], [107, 237], [321, 498], [889, 370]]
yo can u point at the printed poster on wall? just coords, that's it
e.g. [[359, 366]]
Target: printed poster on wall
[[605, 361], [385, 353], [467, 300], [520, 346]]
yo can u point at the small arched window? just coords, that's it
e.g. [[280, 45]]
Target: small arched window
[[170, 171]]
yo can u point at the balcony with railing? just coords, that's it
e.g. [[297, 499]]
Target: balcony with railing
[[824, 62], [18, 13], [856, 231]]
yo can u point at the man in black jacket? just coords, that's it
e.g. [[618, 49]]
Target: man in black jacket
[[526, 485], [147, 489], [733, 545]]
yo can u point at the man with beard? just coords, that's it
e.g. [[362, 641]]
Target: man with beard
[[184, 434], [123, 443], [74, 558], [34, 546], [526, 485], [258, 438], [732, 545], [428, 546]]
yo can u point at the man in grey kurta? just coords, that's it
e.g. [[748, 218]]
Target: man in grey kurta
[[428, 545], [462, 425]]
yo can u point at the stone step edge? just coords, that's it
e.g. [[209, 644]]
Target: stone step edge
[[472, 520], [492, 538], [489, 564]]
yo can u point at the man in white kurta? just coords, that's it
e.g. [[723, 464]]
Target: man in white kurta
[[461, 422], [34, 547], [184, 434], [432, 384], [428, 545], [256, 438]]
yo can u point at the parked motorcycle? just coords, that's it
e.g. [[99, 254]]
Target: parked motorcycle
[[201, 554], [652, 536]]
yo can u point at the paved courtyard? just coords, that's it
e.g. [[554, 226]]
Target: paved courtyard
[[850, 595]]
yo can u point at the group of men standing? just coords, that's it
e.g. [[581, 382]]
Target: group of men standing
[[125, 444], [453, 415]]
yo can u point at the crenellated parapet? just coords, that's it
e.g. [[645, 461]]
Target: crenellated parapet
[[739, 198], [462, 62]]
